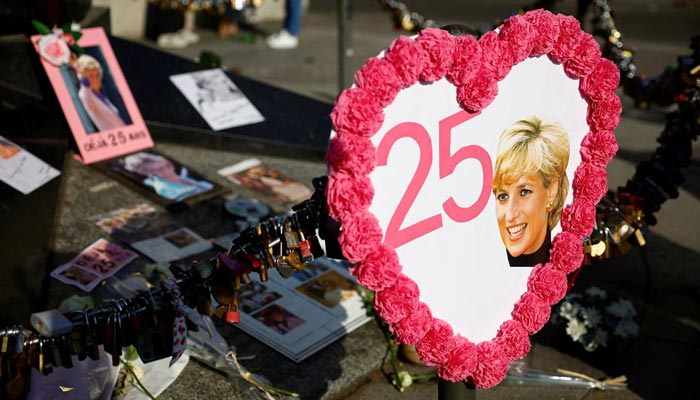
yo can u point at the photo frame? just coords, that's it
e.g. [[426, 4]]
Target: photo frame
[[412, 181], [93, 93]]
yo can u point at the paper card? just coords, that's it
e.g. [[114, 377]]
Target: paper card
[[95, 97], [157, 174], [267, 181], [98, 261], [21, 169], [172, 246], [217, 99]]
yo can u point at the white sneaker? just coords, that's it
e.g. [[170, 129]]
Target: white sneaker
[[282, 40]]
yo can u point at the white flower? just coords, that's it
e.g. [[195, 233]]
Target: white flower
[[54, 49], [622, 308], [405, 379], [75, 27], [569, 310], [576, 329], [595, 291], [626, 328], [591, 316]]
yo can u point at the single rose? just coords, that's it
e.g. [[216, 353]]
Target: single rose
[[54, 49]]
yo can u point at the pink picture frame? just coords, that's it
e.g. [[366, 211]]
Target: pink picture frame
[[99, 107]]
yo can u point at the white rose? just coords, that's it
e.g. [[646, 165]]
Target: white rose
[[54, 49]]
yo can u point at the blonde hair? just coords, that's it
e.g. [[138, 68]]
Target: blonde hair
[[532, 146], [86, 61]]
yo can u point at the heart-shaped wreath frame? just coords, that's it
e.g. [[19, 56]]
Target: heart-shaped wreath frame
[[474, 67]]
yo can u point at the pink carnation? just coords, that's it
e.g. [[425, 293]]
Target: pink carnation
[[467, 60], [479, 92], [436, 346], [578, 218], [546, 27], [569, 36], [497, 57], [598, 148], [519, 36], [378, 76], [347, 194], [513, 339], [461, 363], [567, 252], [492, 366], [548, 283], [408, 59], [439, 47], [412, 328], [604, 114], [532, 312], [585, 57], [602, 81], [351, 154], [590, 182], [357, 112], [361, 234], [379, 270], [397, 301]]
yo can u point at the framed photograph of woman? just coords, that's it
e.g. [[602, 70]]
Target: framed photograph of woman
[[93, 94]]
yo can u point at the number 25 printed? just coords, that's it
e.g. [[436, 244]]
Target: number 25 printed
[[396, 235]]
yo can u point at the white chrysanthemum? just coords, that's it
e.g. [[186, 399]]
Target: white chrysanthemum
[[569, 310], [626, 328], [595, 291], [591, 316], [622, 308], [576, 329]]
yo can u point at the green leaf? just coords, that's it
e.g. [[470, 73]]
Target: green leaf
[[41, 28], [76, 35], [66, 28]]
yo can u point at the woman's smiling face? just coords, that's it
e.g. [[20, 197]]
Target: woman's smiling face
[[521, 211]]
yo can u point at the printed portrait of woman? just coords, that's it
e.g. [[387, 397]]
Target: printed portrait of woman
[[101, 111], [530, 186]]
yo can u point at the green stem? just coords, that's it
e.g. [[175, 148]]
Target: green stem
[[131, 372]]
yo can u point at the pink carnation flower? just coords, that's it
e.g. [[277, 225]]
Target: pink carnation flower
[[531, 312], [598, 148], [436, 346], [378, 77], [578, 218], [357, 113], [548, 283], [569, 36], [54, 49], [347, 194], [412, 328], [479, 92], [590, 182], [379, 270], [408, 59], [467, 60], [604, 114], [492, 366], [397, 301], [461, 363], [546, 27], [513, 339], [361, 234], [439, 47], [497, 56], [518, 36], [602, 81], [351, 154], [585, 57], [567, 252]]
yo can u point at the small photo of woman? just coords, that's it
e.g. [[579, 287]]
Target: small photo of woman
[[530, 186]]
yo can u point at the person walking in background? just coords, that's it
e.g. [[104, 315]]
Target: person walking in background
[[288, 37]]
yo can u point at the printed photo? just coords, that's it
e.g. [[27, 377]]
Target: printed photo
[[329, 289], [79, 275], [267, 181], [530, 187], [278, 319], [180, 238], [311, 270], [255, 296], [161, 175], [8, 149], [135, 224]]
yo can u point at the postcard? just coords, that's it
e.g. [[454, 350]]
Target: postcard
[[97, 262], [161, 176], [217, 99], [267, 181], [152, 233], [93, 93], [21, 169]]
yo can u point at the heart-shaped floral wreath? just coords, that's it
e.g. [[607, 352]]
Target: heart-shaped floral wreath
[[474, 67]]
